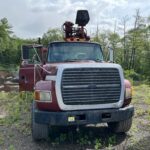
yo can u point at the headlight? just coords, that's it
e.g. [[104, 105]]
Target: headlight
[[44, 96], [128, 93]]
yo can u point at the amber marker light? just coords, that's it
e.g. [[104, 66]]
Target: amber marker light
[[37, 95]]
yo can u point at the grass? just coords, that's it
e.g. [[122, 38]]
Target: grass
[[141, 100], [98, 144], [1, 139], [141, 94], [141, 121], [18, 116], [17, 107], [8, 67], [11, 147]]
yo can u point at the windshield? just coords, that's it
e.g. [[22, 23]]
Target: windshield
[[62, 52]]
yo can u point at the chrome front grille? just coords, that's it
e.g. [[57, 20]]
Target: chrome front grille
[[82, 86]]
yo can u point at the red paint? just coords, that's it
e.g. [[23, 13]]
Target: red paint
[[47, 86], [127, 101], [26, 71], [26, 77], [127, 83]]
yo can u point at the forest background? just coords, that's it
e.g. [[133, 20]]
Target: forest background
[[131, 49]]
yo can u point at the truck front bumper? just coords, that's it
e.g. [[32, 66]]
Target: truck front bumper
[[83, 117]]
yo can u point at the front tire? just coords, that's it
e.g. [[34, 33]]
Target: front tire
[[122, 126], [39, 131]]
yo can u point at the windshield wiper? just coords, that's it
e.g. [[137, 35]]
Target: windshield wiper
[[72, 60]]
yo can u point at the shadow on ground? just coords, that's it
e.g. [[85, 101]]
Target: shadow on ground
[[86, 138]]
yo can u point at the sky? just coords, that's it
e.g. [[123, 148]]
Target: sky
[[32, 18]]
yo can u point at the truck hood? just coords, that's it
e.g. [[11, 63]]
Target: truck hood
[[49, 66]]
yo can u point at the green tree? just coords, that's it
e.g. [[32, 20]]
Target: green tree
[[5, 32], [52, 35]]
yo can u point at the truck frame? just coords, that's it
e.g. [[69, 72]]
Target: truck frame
[[73, 85]]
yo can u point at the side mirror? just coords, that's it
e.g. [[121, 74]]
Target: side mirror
[[111, 54], [25, 52]]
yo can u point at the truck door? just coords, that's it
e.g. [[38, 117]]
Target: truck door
[[26, 71]]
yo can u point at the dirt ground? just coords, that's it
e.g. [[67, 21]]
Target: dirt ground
[[15, 131]]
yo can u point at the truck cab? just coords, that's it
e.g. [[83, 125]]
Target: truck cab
[[75, 86], [31, 54]]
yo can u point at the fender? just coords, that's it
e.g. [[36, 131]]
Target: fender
[[47, 86], [128, 100]]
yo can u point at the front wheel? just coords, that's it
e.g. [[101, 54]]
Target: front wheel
[[122, 126], [39, 131]]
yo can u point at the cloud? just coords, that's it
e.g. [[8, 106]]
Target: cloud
[[100, 10], [42, 5], [31, 18]]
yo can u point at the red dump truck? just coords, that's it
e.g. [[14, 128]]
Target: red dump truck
[[73, 84]]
